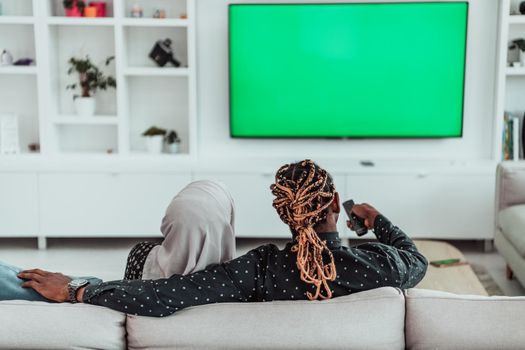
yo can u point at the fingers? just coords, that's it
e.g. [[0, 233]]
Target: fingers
[[30, 284], [30, 276], [37, 271], [349, 224]]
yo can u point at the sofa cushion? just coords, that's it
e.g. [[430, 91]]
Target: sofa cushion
[[512, 225], [373, 320], [40, 325], [439, 320]]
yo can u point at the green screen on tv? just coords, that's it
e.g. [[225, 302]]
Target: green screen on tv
[[347, 70]]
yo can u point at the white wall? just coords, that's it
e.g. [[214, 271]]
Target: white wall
[[214, 139]]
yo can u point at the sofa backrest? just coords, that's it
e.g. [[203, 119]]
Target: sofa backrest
[[510, 184], [439, 320], [373, 319], [39, 325]]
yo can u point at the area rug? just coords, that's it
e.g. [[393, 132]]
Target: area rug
[[486, 280]]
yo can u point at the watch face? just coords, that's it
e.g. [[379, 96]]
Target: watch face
[[78, 282]]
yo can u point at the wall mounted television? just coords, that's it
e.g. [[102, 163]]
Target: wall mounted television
[[347, 70]]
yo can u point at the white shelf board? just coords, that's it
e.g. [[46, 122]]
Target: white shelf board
[[23, 70], [155, 22], [511, 71], [516, 19], [156, 71], [17, 20], [78, 120], [81, 21]]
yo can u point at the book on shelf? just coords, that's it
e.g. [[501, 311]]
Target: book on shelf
[[512, 143]]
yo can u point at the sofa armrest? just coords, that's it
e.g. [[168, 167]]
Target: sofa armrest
[[510, 185]]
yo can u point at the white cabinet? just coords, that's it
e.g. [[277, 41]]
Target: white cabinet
[[18, 205], [109, 205], [453, 205]]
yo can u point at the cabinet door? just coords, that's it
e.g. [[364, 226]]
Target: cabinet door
[[106, 204], [454, 206], [254, 213], [18, 205]]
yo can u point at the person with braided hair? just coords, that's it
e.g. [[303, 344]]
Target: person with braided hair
[[314, 265]]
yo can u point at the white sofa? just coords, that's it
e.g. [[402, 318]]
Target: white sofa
[[384, 318]]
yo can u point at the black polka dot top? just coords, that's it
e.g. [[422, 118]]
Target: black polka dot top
[[267, 273]]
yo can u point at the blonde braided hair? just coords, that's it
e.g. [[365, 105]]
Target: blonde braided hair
[[303, 191]]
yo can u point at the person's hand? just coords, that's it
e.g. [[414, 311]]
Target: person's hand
[[50, 285], [366, 212]]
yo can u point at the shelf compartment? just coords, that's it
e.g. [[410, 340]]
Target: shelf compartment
[[87, 139], [161, 102], [55, 8], [17, 20], [139, 42], [174, 9], [19, 40], [78, 41], [155, 22], [158, 71], [17, 8], [19, 70], [78, 120]]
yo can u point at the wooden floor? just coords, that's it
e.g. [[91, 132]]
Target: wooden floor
[[105, 258]]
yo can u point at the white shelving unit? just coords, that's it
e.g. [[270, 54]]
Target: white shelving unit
[[144, 96], [510, 81]]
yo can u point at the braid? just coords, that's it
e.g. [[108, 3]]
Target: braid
[[303, 192]]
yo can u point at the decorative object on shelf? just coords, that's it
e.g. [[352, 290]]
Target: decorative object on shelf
[[6, 59], [74, 8], [520, 45], [162, 53], [9, 137], [90, 11], [136, 11], [183, 16], [522, 7], [154, 139], [172, 142], [34, 147], [90, 80], [101, 8], [159, 13], [24, 62]]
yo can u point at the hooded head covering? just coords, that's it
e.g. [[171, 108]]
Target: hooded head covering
[[198, 231]]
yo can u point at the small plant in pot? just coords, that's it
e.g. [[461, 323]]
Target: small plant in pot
[[154, 139], [90, 79], [74, 8], [172, 142]]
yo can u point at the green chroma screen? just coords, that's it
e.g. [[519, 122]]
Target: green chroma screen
[[347, 70]]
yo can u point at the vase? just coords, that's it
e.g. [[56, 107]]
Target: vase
[[172, 147], [154, 144], [85, 106], [73, 11]]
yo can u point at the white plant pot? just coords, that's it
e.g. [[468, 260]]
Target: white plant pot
[[85, 106], [522, 58], [154, 144], [173, 148]]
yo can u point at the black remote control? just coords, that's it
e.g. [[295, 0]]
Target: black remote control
[[358, 223]]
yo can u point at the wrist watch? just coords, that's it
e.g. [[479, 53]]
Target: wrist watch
[[74, 286]]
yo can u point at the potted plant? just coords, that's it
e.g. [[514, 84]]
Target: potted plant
[[172, 141], [90, 79], [154, 139], [74, 8]]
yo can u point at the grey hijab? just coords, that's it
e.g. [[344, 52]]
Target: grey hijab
[[198, 231]]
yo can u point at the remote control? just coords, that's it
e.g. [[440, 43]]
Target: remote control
[[358, 223]]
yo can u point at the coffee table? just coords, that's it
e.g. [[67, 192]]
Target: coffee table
[[454, 279]]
